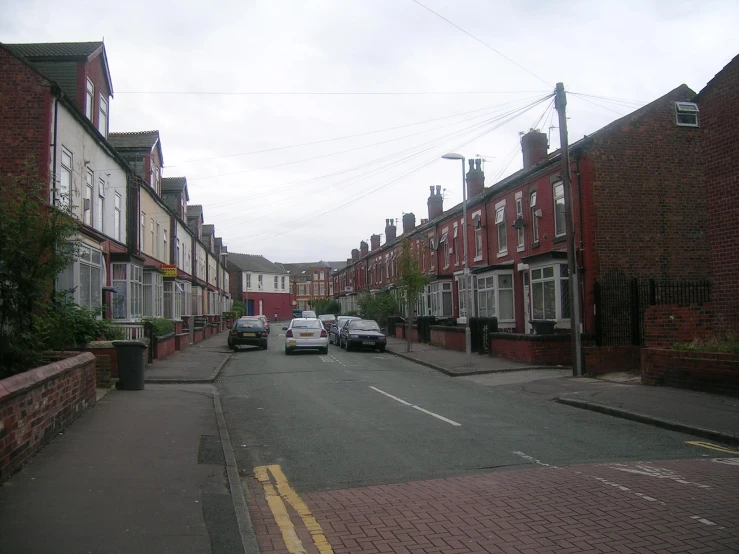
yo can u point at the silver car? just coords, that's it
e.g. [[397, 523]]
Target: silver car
[[305, 334]]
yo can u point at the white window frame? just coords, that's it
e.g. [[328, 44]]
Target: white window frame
[[559, 186], [143, 231], [488, 290], [90, 100], [153, 242], [445, 241], [165, 254], [260, 281], [534, 218], [432, 299], [248, 281], [117, 217], [462, 296], [127, 301], [89, 261], [284, 283], [65, 178], [559, 277], [153, 294], [520, 238], [103, 116], [477, 233], [100, 219], [501, 231], [686, 114], [157, 243], [456, 245], [87, 213]]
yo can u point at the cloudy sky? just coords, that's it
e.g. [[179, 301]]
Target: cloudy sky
[[302, 126]]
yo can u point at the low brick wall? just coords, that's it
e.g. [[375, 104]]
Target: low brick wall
[[181, 341], [665, 325], [605, 359], [164, 346], [533, 349], [36, 405], [197, 335], [448, 337], [703, 371]]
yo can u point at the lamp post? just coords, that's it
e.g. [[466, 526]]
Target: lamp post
[[466, 270]]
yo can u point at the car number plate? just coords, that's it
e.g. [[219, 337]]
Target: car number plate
[[291, 343], [306, 334], [248, 335], [368, 343]]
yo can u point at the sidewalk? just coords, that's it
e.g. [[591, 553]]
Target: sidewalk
[[198, 363], [143, 471], [705, 415]]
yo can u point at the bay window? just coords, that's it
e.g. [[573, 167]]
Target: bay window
[[153, 293], [550, 292], [84, 278], [437, 299], [128, 281], [495, 296], [462, 284]]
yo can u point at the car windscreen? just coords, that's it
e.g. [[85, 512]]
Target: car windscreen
[[307, 324], [250, 324], [364, 325]]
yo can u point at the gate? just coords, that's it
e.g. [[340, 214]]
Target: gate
[[620, 303]]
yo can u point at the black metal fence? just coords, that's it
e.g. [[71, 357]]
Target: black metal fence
[[620, 303]]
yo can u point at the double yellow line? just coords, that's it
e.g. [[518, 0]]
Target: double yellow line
[[276, 494]]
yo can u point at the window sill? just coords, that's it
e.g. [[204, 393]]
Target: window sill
[[502, 254], [477, 259], [520, 248], [560, 238], [535, 245]]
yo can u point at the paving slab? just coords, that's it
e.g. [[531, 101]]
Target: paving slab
[[199, 363]]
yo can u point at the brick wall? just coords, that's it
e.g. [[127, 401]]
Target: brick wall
[[704, 371], [533, 349], [719, 121], [197, 335], [164, 347], [604, 359], [669, 324], [25, 118], [36, 405], [650, 207], [182, 341], [451, 338]]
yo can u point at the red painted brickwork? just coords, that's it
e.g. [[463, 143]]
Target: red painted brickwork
[[719, 121], [107, 351], [451, 339], [668, 324], [38, 404], [554, 350], [25, 118], [604, 359], [705, 371], [197, 335], [164, 347], [181, 341], [102, 371]]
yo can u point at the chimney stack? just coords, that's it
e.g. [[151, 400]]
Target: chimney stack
[[475, 179], [534, 145], [409, 223], [363, 249], [349, 261], [374, 242], [389, 231], [424, 221], [355, 255], [435, 203]]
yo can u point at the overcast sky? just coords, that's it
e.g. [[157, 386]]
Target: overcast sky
[[300, 202]]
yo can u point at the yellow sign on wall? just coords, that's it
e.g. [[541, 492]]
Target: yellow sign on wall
[[169, 270]]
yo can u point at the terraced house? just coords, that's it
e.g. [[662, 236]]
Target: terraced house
[[144, 252]]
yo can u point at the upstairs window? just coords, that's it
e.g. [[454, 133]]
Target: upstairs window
[[276, 280], [117, 217], [103, 117], [90, 99], [87, 208], [65, 179], [502, 236], [534, 218], [559, 210], [686, 114]]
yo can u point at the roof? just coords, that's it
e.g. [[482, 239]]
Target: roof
[[52, 59], [209, 229], [717, 77], [300, 268], [56, 50], [134, 140], [175, 184], [254, 263], [195, 210], [336, 266]]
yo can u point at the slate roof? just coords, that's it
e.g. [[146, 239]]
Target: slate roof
[[254, 263], [135, 140], [195, 210], [175, 184], [336, 266], [56, 50]]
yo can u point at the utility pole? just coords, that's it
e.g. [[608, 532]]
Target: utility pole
[[560, 102]]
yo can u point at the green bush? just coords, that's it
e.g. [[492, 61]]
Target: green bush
[[713, 344], [328, 306], [162, 326], [238, 308]]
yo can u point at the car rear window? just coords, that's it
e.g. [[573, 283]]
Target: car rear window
[[249, 323], [307, 324], [326, 317], [364, 325]]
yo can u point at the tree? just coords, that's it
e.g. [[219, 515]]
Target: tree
[[378, 306], [411, 281], [36, 243], [328, 306]]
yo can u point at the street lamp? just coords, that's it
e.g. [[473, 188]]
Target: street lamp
[[466, 270]]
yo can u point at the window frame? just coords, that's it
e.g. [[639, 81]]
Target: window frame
[[560, 279], [117, 217], [500, 227], [100, 220], [87, 213], [90, 106], [687, 110], [483, 290], [477, 234], [555, 197], [534, 218], [66, 178], [103, 116], [520, 235]]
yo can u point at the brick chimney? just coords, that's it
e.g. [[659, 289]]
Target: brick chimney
[[534, 146], [409, 223], [435, 203], [424, 221], [349, 261], [390, 231], [355, 255], [475, 179], [374, 242], [363, 249]]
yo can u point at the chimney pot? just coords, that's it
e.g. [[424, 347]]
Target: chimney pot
[[438, 190], [475, 179], [389, 231], [435, 203]]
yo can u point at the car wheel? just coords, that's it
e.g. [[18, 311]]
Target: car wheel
[[288, 352], [324, 350], [235, 348], [348, 346], [264, 346], [382, 349]]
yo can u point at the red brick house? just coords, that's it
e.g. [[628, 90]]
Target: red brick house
[[263, 286]]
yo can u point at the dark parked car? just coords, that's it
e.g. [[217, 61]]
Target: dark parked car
[[334, 329], [248, 331], [362, 333], [327, 320]]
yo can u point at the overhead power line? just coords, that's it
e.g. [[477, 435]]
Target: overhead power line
[[485, 44], [324, 93]]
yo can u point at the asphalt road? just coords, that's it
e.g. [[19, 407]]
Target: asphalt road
[[361, 418]]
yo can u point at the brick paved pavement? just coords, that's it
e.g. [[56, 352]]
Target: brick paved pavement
[[636, 507]]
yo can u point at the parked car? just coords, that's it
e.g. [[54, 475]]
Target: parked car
[[248, 331], [309, 313], [265, 320], [297, 313], [362, 333], [327, 320], [305, 334], [335, 329]]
